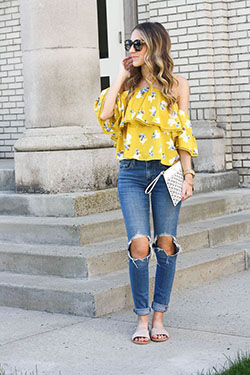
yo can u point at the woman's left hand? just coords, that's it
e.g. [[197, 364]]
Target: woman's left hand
[[187, 189]]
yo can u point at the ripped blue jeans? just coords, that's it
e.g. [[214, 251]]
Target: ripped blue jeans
[[134, 176]]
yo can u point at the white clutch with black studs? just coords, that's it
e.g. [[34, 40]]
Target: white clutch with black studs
[[174, 180]]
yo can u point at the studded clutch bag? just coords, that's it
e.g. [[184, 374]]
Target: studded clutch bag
[[174, 180]]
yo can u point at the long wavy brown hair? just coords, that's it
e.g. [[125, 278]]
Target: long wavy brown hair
[[157, 59]]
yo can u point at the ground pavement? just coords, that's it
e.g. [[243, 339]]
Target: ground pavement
[[206, 325]]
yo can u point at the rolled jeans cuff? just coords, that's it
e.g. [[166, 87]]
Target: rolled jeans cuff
[[159, 307], [144, 311]]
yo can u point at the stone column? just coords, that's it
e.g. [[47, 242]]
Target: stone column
[[63, 148], [130, 17]]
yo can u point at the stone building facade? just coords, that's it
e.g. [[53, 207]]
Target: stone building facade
[[210, 47]]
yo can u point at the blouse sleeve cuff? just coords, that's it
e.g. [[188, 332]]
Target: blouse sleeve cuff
[[186, 141], [109, 126]]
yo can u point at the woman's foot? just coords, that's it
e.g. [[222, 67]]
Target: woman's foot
[[141, 335], [158, 332]]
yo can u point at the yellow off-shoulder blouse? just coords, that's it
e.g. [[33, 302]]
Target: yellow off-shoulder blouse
[[144, 129]]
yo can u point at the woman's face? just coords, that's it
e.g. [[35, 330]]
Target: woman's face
[[137, 56]]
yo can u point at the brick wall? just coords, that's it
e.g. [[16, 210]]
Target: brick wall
[[239, 33], [11, 78], [143, 10], [210, 47]]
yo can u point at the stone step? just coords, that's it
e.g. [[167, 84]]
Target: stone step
[[103, 257], [65, 261], [213, 204], [104, 295], [85, 203], [99, 227], [58, 205], [7, 180]]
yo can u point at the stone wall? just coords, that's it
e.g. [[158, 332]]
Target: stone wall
[[210, 47], [11, 78]]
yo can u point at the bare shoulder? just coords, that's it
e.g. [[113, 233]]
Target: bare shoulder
[[182, 80], [183, 86], [182, 93]]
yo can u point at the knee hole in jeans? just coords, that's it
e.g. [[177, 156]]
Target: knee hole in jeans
[[139, 247], [166, 243]]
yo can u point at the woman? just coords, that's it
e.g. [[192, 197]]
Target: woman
[[145, 112]]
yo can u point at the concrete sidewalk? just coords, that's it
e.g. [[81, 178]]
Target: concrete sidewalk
[[206, 325]]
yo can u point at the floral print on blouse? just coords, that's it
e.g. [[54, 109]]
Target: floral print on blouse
[[144, 129]]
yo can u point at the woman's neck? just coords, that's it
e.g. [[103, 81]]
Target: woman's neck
[[146, 74]]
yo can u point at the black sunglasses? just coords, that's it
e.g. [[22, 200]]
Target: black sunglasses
[[138, 43]]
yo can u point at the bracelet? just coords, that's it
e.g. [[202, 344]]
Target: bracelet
[[189, 171]]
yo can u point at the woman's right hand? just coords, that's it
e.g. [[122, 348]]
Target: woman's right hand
[[126, 66], [116, 87]]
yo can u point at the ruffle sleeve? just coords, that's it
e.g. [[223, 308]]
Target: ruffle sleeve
[[112, 125], [185, 141]]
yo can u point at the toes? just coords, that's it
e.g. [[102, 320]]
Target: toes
[[159, 336], [141, 339]]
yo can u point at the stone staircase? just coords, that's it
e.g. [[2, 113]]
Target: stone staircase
[[67, 253]]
